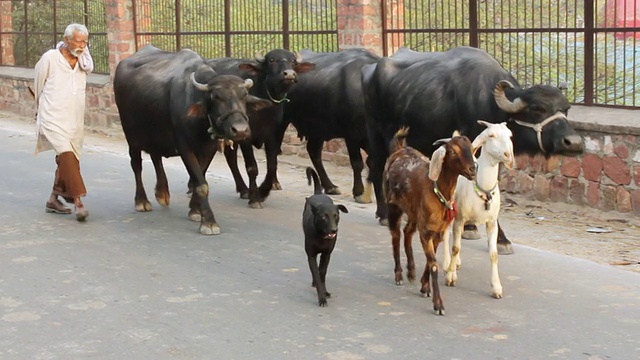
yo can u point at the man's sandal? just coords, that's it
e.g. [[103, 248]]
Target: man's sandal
[[56, 207]]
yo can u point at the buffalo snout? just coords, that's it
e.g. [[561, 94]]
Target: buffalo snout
[[290, 75], [239, 130], [572, 144]]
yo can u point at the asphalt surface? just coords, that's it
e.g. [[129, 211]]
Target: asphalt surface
[[128, 285]]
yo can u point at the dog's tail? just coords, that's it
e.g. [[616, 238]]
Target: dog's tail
[[311, 174], [399, 140]]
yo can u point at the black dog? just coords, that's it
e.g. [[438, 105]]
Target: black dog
[[320, 225]]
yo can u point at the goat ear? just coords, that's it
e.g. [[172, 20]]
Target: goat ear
[[435, 166], [484, 123], [509, 164], [342, 208], [478, 142]]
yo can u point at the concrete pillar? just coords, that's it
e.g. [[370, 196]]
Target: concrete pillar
[[6, 41], [120, 35], [360, 25]]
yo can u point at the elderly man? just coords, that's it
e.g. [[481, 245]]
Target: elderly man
[[60, 83]]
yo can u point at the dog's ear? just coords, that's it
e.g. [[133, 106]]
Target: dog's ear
[[342, 208]]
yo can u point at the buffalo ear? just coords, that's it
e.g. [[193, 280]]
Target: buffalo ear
[[251, 68], [435, 165], [196, 110], [255, 103], [304, 67], [342, 208]]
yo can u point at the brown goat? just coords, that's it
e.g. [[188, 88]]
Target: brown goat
[[423, 190]]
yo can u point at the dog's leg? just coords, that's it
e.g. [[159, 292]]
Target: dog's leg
[[324, 265], [317, 282]]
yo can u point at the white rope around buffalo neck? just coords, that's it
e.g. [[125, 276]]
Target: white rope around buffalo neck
[[284, 98], [538, 127]]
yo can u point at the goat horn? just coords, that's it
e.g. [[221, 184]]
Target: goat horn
[[441, 141], [505, 104], [484, 123], [196, 84]]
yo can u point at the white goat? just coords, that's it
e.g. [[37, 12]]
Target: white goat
[[479, 202]]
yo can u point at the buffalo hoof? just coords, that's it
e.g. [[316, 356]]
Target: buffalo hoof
[[163, 200], [143, 206], [211, 229], [276, 186], [362, 199], [471, 233], [194, 215], [255, 205], [332, 191], [505, 249]]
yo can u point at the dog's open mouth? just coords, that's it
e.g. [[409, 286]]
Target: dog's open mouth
[[330, 236]]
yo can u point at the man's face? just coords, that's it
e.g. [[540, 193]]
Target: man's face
[[77, 44]]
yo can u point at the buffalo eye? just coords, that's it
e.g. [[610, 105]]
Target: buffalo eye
[[271, 60]]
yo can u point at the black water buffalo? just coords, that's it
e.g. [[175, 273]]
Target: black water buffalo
[[274, 74], [437, 93], [174, 104], [327, 103]]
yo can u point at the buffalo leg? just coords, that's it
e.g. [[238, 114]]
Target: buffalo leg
[[376, 162], [314, 148], [504, 245], [162, 185], [231, 156], [470, 232], [271, 149], [199, 202], [141, 201], [357, 165], [251, 165]]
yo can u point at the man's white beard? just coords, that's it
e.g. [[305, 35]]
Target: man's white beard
[[76, 52]]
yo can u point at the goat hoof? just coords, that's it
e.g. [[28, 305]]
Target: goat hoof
[[383, 222], [244, 195], [211, 229], [276, 186], [143, 206], [322, 302], [439, 311], [505, 249]]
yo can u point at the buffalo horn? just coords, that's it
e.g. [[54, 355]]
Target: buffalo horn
[[248, 83], [298, 57], [505, 104], [259, 56], [199, 86]]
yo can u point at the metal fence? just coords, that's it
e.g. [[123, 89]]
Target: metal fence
[[31, 27], [591, 45], [238, 28]]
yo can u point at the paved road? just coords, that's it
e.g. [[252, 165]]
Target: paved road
[[129, 285]]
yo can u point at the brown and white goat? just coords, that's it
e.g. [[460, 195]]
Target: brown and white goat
[[423, 190]]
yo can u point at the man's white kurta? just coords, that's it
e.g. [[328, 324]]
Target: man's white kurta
[[60, 99]]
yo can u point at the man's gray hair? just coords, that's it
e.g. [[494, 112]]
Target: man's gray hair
[[73, 28]]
